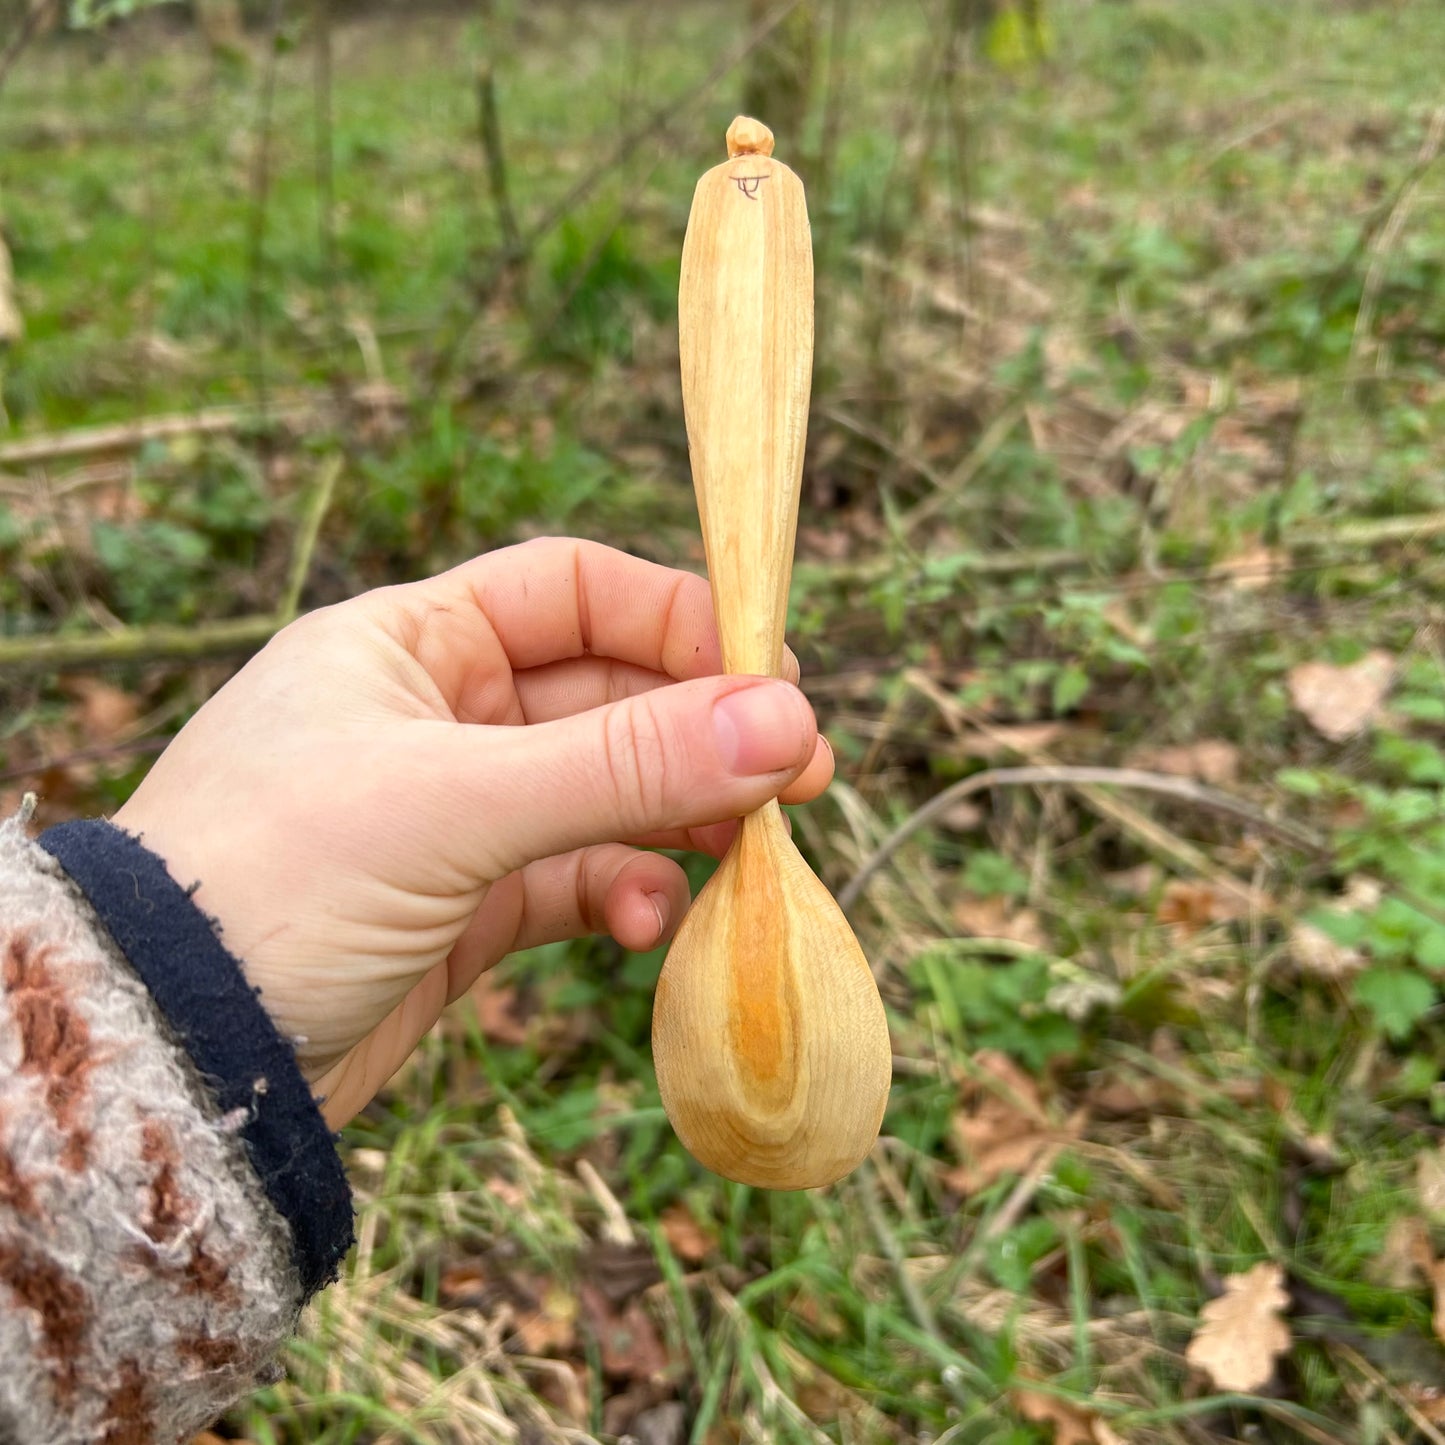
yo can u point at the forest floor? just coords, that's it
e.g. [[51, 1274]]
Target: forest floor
[[1123, 519]]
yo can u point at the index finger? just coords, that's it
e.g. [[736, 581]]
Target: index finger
[[552, 600]]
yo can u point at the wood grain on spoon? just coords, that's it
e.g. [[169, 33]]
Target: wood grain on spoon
[[768, 1033]]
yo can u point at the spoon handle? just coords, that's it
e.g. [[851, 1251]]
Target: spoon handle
[[745, 317]]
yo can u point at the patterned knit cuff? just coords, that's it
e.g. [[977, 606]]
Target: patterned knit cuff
[[199, 986]]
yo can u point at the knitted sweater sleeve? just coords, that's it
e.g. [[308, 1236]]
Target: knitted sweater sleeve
[[156, 1245]]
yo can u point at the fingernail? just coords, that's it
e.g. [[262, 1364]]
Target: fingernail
[[761, 729], [662, 908]]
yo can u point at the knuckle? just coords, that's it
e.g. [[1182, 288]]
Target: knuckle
[[637, 762]]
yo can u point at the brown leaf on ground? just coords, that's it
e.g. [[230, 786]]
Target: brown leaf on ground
[[105, 713], [1437, 1283], [1429, 1400], [627, 1340], [551, 1327], [1211, 760], [498, 1014], [686, 1238], [1241, 1334], [1405, 1258], [1010, 740], [1002, 1127], [1193, 905], [464, 1284], [1430, 1183], [1340, 701], [1123, 1098], [997, 918], [1254, 568], [1316, 954], [1073, 1424]]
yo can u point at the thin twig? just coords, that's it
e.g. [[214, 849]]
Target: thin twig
[[132, 435], [306, 540], [489, 128], [137, 644], [1185, 789]]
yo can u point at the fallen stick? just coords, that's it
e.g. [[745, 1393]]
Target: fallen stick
[[131, 435], [137, 644]]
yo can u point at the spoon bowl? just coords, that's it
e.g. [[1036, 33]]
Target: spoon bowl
[[769, 1036]]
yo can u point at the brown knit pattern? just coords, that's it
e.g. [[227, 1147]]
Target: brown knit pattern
[[145, 1279]]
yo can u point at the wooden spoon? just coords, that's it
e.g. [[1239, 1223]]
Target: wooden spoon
[[771, 1046]]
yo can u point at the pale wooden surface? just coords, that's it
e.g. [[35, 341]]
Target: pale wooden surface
[[769, 1036]]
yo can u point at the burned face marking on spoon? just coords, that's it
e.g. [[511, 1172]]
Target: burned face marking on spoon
[[749, 185]]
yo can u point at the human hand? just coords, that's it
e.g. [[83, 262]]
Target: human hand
[[400, 790]]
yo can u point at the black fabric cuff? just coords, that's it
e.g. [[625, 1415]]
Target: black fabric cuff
[[200, 988]]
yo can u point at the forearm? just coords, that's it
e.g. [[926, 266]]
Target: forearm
[[147, 1271]]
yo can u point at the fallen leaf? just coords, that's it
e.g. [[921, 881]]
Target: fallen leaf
[[628, 1341], [550, 1328], [498, 1016], [685, 1237], [1002, 740], [1318, 955], [1192, 905], [1340, 701], [1252, 569], [1429, 1400], [105, 712], [464, 1284], [1430, 1182], [1002, 1128], [1073, 1424], [1437, 1282], [1406, 1257], [1241, 1335], [995, 918], [1124, 1098], [1211, 760]]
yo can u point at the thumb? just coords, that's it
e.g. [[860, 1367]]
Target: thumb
[[679, 756]]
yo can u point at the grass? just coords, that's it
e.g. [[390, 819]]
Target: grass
[[1135, 331]]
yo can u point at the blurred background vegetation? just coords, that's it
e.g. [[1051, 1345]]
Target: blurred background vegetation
[[1119, 592]]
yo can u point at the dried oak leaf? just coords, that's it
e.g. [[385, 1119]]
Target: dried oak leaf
[[1190, 906], [1002, 1127], [1340, 701], [1073, 1424], [1211, 760], [1241, 1334], [686, 1238], [106, 713], [1317, 955], [627, 1340], [1430, 1182], [498, 1014]]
